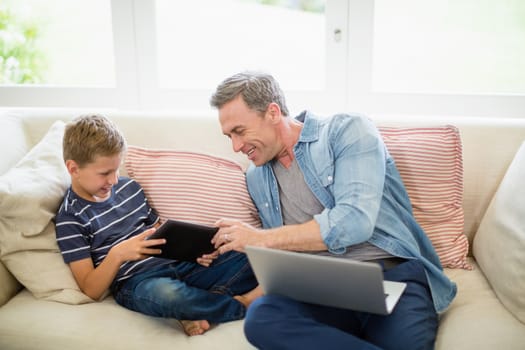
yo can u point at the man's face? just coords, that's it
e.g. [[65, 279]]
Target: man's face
[[251, 133], [95, 180]]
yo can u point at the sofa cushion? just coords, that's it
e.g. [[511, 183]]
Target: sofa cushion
[[13, 141], [476, 319], [500, 240], [430, 162], [191, 186], [9, 286], [30, 194]]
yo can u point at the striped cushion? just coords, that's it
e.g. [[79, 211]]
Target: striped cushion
[[431, 166], [190, 186]]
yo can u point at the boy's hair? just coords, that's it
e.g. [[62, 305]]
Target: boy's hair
[[258, 90], [89, 136]]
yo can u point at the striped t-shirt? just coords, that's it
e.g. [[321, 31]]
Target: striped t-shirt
[[88, 229]]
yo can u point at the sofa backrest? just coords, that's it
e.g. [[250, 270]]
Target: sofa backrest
[[489, 145]]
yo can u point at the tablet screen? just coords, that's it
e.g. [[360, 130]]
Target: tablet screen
[[184, 240]]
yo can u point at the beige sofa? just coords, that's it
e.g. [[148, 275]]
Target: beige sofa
[[477, 319]]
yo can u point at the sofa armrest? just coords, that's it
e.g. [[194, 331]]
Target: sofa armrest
[[9, 286]]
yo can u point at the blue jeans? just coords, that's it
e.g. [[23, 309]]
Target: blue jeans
[[276, 322], [189, 291]]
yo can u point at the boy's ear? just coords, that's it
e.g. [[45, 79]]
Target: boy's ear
[[72, 167]]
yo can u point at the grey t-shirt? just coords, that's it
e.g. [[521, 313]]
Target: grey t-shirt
[[299, 205]]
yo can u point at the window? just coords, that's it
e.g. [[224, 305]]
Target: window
[[194, 53], [437, 57], [460, 47], [197, 52], [57, 42]]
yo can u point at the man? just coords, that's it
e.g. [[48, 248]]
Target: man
[[327, 186]]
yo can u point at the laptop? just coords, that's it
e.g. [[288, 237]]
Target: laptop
[[315, 279]]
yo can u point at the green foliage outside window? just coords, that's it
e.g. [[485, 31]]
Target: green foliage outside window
[[21, 61]]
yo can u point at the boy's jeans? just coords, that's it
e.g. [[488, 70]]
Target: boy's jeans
[[189, 291]]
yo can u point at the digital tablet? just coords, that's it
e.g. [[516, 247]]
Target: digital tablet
[[184, 240]]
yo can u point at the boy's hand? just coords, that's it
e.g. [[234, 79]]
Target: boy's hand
[[137, 247], [207, 259]]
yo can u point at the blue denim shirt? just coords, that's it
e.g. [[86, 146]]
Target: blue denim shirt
[[348, 168]]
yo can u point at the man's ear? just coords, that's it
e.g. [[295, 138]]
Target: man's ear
[[72, 167], [274, 111]]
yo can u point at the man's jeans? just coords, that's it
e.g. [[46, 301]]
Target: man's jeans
[[276, 322], [189, 291]]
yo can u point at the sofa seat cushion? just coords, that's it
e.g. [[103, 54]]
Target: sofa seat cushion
[[29, 323], [476, 319]]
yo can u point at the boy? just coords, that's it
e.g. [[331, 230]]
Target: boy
[[102, 228]]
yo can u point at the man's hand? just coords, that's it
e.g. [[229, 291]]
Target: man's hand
[[235, 235]]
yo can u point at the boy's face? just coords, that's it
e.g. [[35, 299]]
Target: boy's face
[[95, 180]]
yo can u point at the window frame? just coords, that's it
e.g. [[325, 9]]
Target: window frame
[[362, 98], [349, 45], [154, 97]]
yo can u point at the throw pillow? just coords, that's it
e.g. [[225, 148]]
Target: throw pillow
[[430, 162], [30, 194], [13, 138], [499, 244], [191, 186]]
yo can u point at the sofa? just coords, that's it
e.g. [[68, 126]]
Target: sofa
[[487, 313]]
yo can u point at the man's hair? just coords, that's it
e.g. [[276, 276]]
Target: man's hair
[[257, 89], [89, 136]]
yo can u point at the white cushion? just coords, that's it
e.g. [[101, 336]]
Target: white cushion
[[30, 194], [500, 240], [13, 141]]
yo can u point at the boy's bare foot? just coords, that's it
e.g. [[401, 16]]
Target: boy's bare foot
[[246, 299], [192, 328], [195, 327]]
